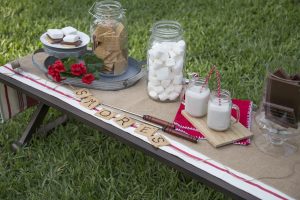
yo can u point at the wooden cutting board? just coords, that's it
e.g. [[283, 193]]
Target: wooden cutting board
[[218, 138]]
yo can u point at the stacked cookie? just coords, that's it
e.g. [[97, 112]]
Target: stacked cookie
[[65, 36], [165, 64], [110, 44]]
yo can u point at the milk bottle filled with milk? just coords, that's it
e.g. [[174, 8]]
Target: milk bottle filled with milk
[[219, 110], [196, 97]]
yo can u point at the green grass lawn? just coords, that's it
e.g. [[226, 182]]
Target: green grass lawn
[[78, 162]]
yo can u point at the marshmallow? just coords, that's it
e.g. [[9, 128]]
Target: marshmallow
[[172, 54], [178, 51], [152, 73], [170, 62], [169, 89], [168, 45], [163, 55], [178, 66], [165, 83], [177, 88], [150, 62], [163, 73], [156, 45], [151, 53], [158, 53], [69, 30], [158, 89], [178, 79], [172, 75], [155, 82], [172, 96], [158, 64], [153, 94], [55, 33], [71, 38], [163, 96], [150, 87], [181, 44]]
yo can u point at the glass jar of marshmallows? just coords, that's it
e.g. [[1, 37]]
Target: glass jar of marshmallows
[[165, 61]]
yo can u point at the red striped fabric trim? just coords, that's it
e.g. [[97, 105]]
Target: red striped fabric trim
[[228, 172], [176, 148], [7, 101]]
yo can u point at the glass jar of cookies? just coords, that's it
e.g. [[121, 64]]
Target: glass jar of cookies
[[165, 61], [109, 36]]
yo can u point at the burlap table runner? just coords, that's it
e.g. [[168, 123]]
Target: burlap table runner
[[283, 172]]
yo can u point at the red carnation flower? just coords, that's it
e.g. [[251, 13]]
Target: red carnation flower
[[88, 78], [78, 69], [57, 77], [54, 73], [59, 66], [51, 70]]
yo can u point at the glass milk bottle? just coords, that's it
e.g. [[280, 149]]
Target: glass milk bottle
[[196, 97], [219, 111], [165, 60]]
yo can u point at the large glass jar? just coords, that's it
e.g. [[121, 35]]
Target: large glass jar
[[165, 60], [109, 36]]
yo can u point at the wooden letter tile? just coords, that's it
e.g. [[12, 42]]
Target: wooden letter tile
[[124, 121], [146, 130], [105, 114], [90, 102], [158, 140], [82, 93]]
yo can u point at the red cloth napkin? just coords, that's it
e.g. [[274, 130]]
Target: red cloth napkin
[[182, 124]]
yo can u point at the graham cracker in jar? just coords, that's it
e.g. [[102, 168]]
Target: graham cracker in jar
[[110, 43], [100, 52], [119, 66], [103, 29]]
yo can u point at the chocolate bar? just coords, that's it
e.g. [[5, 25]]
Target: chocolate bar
[[282, 100]]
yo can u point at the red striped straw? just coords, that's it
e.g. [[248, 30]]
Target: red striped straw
[[212, 69], [219, 85]]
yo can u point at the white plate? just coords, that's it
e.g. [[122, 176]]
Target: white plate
[[83, 37]]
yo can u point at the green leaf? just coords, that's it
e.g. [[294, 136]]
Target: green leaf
[[91, 68], [67, 74], [68, 62], [90, 58], [96, 75]]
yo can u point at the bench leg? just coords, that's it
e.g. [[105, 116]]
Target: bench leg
[[35, 126], [47, 129]]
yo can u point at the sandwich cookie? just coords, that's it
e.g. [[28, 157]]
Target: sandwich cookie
[[71, 40], [69, 30], [54, 36]]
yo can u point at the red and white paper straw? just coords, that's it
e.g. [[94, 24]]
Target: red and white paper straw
[[219, 84]]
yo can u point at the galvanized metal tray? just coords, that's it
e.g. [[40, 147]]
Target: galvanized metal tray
[[134, 73]]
